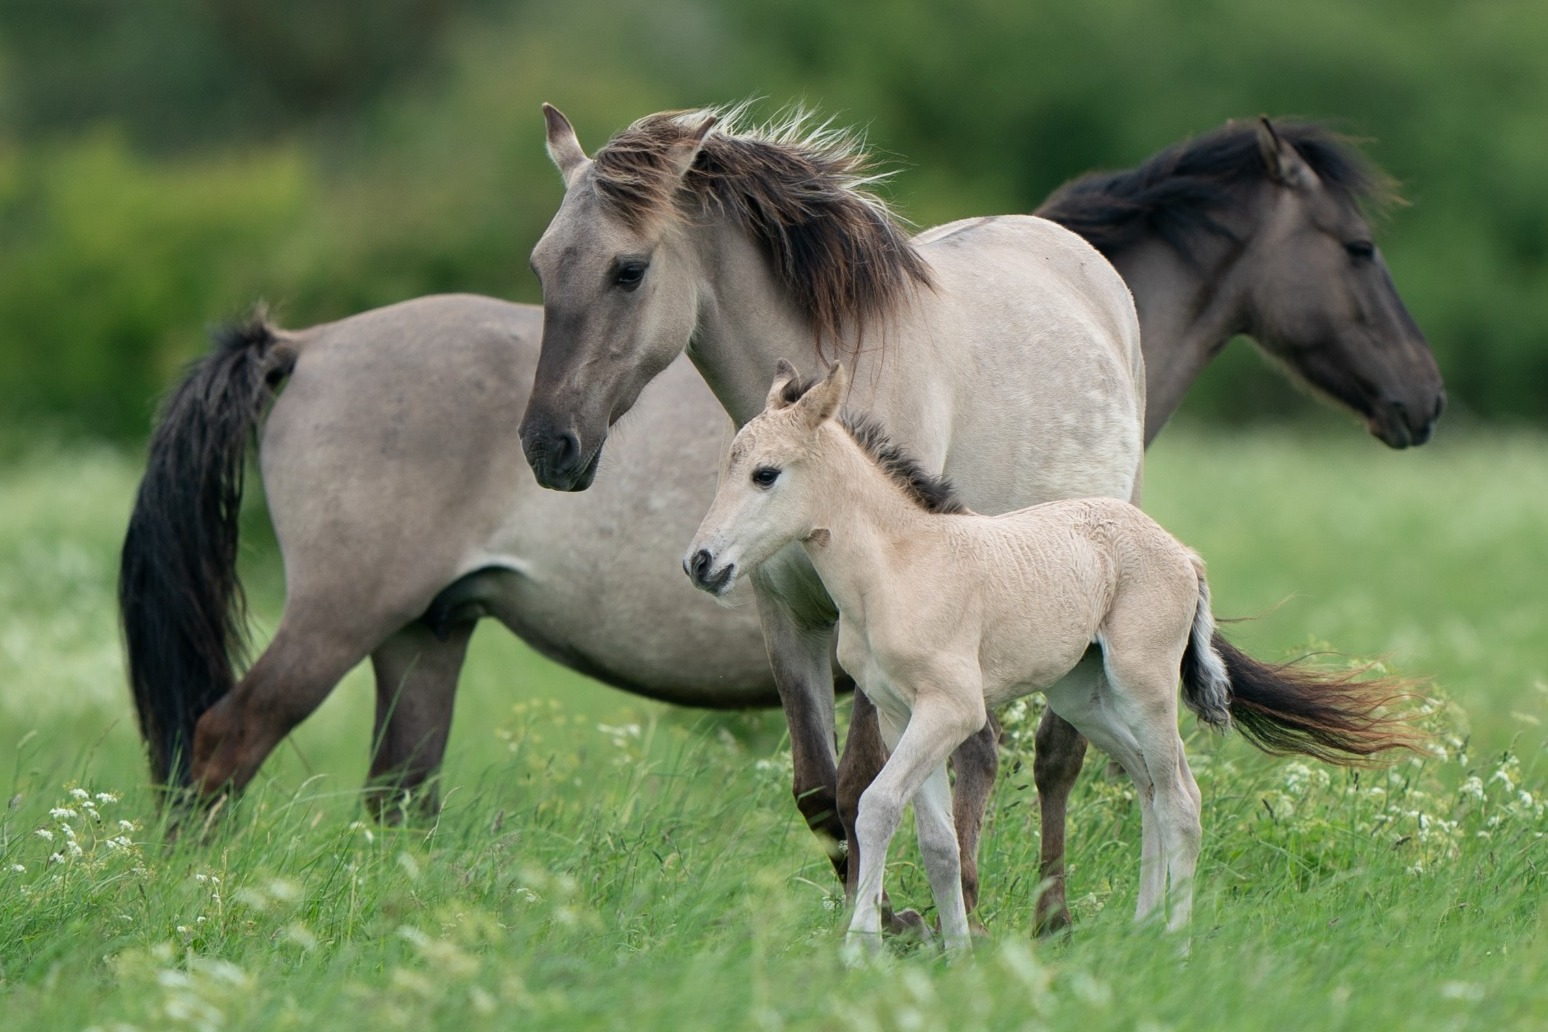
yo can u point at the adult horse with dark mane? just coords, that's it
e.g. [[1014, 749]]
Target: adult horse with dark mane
[[401, 525]]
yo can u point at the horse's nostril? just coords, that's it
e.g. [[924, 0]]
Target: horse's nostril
[[566, 449]]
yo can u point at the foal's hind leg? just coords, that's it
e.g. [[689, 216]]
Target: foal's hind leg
[[416, 682]]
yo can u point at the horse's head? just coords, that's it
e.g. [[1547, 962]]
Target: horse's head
[[619, 299], [762, 502], [1323, 303]]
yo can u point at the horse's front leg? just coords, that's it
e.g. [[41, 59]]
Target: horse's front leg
[[799, 652]]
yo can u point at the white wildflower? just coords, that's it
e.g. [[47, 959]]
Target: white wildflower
[[107, 797], [63, 813], [44, 833], [19, 869], [80, 793], [1473, 788]]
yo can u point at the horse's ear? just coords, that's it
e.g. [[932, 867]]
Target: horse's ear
[[563, 146], [822, 401], [681, 154], [1283, 162], [784, 372]]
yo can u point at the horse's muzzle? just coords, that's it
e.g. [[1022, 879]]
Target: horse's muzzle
[[1400, 425], [557, 460]]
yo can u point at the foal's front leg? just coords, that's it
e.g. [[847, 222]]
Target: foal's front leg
[[937, 726], [977, 762]]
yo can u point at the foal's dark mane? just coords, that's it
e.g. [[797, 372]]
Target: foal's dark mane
[[1177, 193], [930, 492], [803, 192]]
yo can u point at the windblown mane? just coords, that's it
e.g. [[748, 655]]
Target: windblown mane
[[802, 191], [1177, 192], [932, 493]]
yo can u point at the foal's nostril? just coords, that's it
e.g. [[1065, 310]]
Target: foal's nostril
[[699, 566]]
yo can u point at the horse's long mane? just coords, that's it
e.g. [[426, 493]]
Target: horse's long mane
[[1178, 192], [803, 190], [930, 492]]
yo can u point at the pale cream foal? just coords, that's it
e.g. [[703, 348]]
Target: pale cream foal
[[944, 612]]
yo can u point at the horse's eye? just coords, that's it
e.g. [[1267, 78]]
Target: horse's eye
[[1360, 249], [764, 476], [630, 276]]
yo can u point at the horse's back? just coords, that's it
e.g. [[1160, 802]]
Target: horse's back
[[389, 427], [1049, 392]]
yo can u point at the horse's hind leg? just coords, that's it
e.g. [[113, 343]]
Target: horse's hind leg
[[416, 682], [307, 657]]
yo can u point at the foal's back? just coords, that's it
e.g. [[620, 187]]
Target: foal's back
[[1037, 587]]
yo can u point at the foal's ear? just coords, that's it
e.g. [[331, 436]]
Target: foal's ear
[[563, 147], [784, 372], [822, 401], [680, 155], [1284, 163]]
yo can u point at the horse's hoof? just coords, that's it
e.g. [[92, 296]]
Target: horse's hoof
[[1053, 923], [907, 924]]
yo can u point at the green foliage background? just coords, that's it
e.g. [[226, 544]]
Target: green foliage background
[[163, 165]]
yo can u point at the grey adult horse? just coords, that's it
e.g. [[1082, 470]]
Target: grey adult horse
[[443, 522], [742, 248]]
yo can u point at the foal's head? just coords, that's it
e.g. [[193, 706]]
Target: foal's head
[[763, 501]]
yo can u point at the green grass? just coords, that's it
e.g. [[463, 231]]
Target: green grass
[[603, 862]]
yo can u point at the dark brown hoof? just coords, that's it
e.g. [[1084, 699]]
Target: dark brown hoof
[[907, 925]]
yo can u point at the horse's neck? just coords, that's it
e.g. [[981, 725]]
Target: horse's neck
[[745, 323], [859, 516], [1187, 310]]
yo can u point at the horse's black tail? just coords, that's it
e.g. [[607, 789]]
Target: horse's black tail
[[1339, 718], [183, 609]]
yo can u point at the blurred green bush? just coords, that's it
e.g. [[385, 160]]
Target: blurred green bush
[[163, 166]]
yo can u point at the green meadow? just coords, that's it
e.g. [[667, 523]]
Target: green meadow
[[603, 862]]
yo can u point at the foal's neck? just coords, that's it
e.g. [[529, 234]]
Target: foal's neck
[[859, 514]]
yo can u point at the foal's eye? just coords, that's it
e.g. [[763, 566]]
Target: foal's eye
[[1360, 249], [764, 476], [629, 276]]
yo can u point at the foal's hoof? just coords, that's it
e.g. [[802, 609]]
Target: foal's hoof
[[861, 949]]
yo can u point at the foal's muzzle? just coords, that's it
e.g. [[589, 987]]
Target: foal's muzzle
[[699, 567]]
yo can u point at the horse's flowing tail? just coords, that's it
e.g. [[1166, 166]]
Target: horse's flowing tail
[[1284, 708], [183, 609]]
